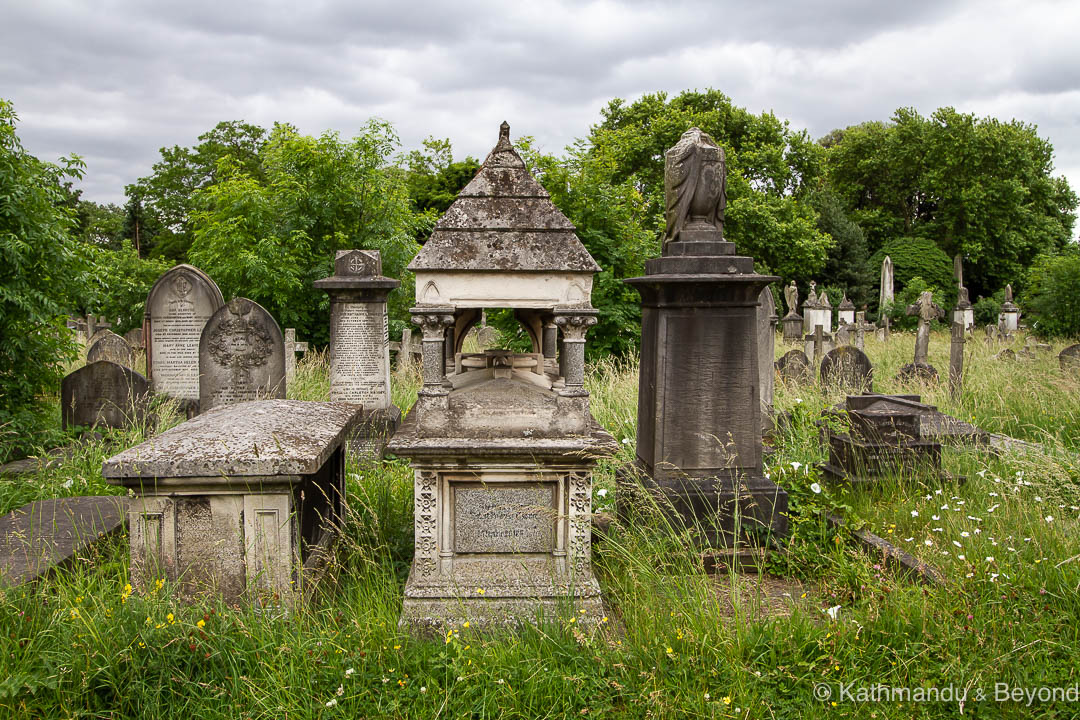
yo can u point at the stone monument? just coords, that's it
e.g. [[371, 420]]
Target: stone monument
[[110, 346], [360, 344], [241, 355], [927, 311], [956, 358], [1009, 319], [964, 312], [103, 394], [845, 312], [766, 338], [699, 425], [847, 367], [811, 317], [177, 308], [885, 294], [1069, 358], [503, 443], [795, 365], [292, 347], [793, 321]]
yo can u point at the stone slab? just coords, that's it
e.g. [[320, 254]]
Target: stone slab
[[48, 533], [257, 438]]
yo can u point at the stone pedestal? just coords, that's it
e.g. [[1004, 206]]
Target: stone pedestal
[[793, 327], [360, 344], [243, 501], [699, 411]]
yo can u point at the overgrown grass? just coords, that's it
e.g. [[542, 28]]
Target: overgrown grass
[[79, 645]]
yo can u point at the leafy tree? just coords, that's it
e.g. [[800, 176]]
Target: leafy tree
[[114, 283], [434, 179], [847, 267], [1052, 296], [167, 195], [981, 188], [770, 169], [269, 235], [38, 276], [609, 223]]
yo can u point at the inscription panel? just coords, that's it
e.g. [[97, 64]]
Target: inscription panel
[[505, 518], [360, 355], [179, 307]]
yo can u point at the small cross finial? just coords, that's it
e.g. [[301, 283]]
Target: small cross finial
[[504, 131]]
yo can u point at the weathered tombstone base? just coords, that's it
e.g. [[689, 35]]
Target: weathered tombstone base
[[918, 371], [504, 538], [243, 501], [885, 438]]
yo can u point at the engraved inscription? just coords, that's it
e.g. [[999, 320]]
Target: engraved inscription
[[494, 519], [177, 318], [360, 359]]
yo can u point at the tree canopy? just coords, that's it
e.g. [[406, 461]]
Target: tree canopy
[[981, 188]]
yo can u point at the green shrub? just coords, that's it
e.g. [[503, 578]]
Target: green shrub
[[987, 309], [919, 257], [1053, 294], [908, 296]]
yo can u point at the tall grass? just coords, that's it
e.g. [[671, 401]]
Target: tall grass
[[677, 643]]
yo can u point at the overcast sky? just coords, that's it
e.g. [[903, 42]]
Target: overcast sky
[[115, 80]]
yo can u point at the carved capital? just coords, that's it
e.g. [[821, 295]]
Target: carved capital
[[574, 327], [433, 325]]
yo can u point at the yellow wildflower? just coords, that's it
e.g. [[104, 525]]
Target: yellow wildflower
[[727, 699], [201, 623]]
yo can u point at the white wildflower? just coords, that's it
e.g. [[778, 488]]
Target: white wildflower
[[815, 488]]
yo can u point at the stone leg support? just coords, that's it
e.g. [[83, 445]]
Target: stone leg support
[[434, 326], [572, 362]]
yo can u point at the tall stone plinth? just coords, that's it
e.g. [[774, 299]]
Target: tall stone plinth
[[360, 344], [699, 415]]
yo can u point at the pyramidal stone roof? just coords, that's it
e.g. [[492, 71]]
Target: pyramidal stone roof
[[504, 220]]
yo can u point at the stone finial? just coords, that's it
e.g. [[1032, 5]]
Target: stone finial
[[1008, 293], [367, 263], [694, 186], [812, 299]]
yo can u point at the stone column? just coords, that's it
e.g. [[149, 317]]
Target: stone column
[[433, 322], [572, 361], [860, 329], [956, 359], [550, 340]]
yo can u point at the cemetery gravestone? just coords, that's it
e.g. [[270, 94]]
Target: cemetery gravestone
[[241, 355], [1009, 319], [103, 394], [885, 294], [956, 358], [292, 347], [847, 367], [795, 365], [766, 339], [134, 338], [110, 346], [927, 311], [1069, 358], [177, 309]]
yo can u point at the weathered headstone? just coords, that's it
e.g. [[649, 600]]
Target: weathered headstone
[[177, 309], [410, 350], [1069, 358], [795, 365], [847, 367], [1006, 354], [291, 348], [766, 339], [241, 356], [956, 358], [103, 394], [810, 310], [134, 337], [964, 313], [110, 346], [885, 293]]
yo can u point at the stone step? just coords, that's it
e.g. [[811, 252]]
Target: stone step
[[48, 533]]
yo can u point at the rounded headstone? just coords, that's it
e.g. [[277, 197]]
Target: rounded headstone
[[918, 371], [177, 309], [104, 394], [110, 346], [847, 367], [794, 365], [1070, 357], [134, 336], [241, 356]]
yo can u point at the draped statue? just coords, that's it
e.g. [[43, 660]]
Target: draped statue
[[694, 187]]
